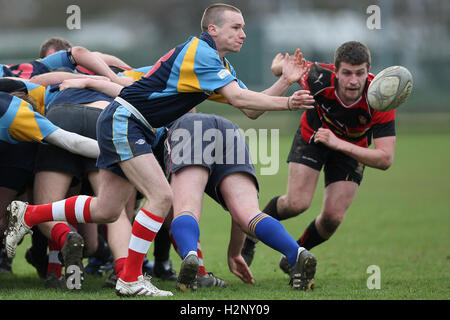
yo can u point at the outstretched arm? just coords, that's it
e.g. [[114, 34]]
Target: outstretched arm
[[55, 77], [107, 87], [111, 60], [93, 62], [74, 143], [247, 99], [292, 68]]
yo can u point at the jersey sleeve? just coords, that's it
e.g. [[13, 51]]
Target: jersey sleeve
[[20, 123], [209, 69], [60, 59], [219, 98], [383, 124]]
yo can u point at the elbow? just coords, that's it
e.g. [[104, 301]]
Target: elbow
[[253, 116], [386, 164], [236, 102]]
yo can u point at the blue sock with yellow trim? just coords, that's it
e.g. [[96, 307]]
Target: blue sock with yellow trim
[[185, 232], [272, 233]]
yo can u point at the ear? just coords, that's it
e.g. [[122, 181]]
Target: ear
[[212, 29]]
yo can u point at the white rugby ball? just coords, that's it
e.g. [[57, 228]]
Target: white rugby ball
[[390, 88]]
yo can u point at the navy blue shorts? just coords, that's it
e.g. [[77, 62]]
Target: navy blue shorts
[[202, 139], [121, 136]]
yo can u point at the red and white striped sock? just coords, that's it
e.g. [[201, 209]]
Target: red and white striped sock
[[201, 266], [54, 264], [73, 210], [145, 227]]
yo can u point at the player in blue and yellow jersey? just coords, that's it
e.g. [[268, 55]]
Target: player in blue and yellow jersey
[[184, 77], [68, 59]]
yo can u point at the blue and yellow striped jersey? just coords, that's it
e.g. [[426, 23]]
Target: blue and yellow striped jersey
[[187, 75], [57, 60], [135, 74], [19, 122], [43, 97]]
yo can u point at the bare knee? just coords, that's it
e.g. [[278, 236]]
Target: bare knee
[[109, 215], [161, 202], [329, 222], [294, 207], [105, 211]]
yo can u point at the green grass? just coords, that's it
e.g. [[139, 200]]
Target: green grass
[[399, 221]]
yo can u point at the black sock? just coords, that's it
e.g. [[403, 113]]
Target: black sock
[[271, 209], [162, 245], [310, 237]]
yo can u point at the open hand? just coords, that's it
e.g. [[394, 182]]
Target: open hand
[[294, 67], [238, 267], [301, 100]]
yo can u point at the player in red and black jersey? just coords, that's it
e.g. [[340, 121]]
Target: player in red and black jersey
[[335, 136]]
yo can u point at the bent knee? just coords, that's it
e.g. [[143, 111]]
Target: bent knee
[[161, 201], [295, 207], [330, 221]]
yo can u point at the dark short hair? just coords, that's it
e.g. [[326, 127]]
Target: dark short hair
[[352, 52], [214, 14], [26, 97], [55, 43]]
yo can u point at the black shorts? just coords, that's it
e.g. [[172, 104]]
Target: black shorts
[[337, 166], [193, 140], [17, 165], [74, 118]]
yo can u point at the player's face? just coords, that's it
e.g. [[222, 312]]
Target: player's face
[[230, 36], [351, 80]]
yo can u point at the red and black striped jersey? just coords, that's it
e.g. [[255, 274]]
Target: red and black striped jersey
[[356, 123]]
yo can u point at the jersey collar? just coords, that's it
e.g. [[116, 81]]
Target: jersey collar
[[205, 36]]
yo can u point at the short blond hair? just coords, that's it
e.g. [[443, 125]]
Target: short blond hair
[[214, 14]]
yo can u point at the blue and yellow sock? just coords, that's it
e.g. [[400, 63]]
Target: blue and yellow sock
[[185, 232], [272, 233]]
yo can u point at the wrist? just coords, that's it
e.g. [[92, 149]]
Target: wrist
[[289, 103], [286, 81]]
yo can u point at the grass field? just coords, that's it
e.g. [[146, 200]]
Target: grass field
[[399, 222]]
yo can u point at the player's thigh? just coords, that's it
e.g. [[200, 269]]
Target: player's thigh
[[302, 182], [305, 163], [241, 197], [145, 173], [113, 194], [188, 186], [50, 186]]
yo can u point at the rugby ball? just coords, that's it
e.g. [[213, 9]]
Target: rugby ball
[[390, 88]]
